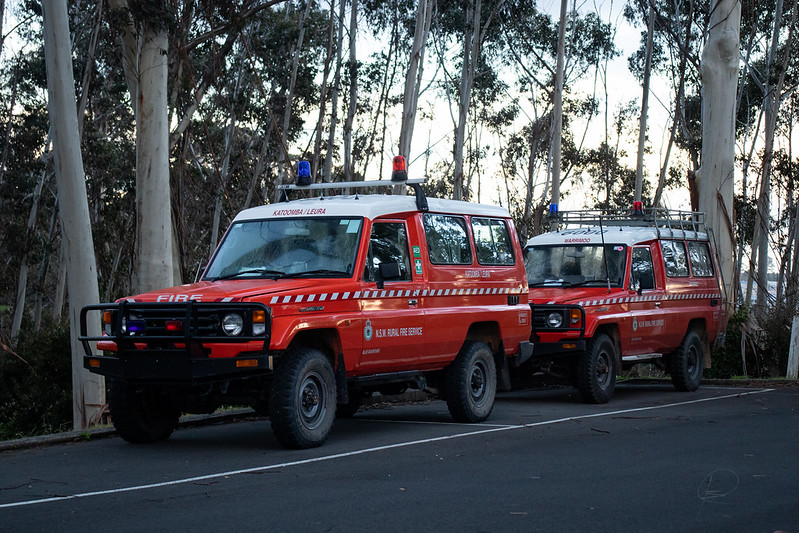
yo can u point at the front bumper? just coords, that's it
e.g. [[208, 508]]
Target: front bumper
[[174, 367], [564, 348], [562, 341], [154, 354]]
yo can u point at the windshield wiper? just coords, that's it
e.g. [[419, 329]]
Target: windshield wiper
[[546, 282], [322, 272], [250, 271], [586, 282]]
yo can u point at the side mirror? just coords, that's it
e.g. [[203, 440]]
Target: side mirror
[[646, 281], [389, 271]]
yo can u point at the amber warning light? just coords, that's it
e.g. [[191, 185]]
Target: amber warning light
[[399, 173]]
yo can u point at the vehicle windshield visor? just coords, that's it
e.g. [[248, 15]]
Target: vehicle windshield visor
[[570, 265], [296, 247]]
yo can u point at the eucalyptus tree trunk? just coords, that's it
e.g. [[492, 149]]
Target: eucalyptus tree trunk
[[413, 76], [153, 206], [22, 279], [2, 18], [331, 27], [771, 108], [557, 111], [282, 163], [639, 167], [352, 105], [679, 114], [88, 389], [719, 71], [144, 60], [470, 58], [331, 135]]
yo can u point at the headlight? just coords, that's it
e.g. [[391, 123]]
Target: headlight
[[554, 320], [232, 324]]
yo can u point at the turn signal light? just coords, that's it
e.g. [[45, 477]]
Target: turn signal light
[[247, 363], [568, 346], [258, 322], [574, 317], [94, 363]]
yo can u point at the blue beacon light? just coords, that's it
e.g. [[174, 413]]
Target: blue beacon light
[[304, 173], [553, 210]]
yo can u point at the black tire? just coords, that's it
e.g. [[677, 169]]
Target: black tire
[[596, 370], [471, 383], [302, 406], [348, 410], [686, 364], [142, 415]]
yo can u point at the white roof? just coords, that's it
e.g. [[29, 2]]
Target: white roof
[[628, 235], [370, 206]]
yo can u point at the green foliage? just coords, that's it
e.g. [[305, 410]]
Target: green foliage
[[726, 360], [766, 349], [36, 384]]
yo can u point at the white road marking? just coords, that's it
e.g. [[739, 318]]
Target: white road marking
[[354, 453]]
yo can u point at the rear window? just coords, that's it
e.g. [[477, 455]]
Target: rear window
[[492, 242], [701, 263], [675, 259]]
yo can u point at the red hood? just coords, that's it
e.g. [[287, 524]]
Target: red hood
[[227, 290], [544, 295]]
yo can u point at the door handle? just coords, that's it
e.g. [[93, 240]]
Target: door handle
[[413, 301], [657, 304]]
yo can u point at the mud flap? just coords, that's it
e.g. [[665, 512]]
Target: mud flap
[[503, 373], [342, 390]]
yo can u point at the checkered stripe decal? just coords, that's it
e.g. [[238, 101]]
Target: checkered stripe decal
[[628, 299], [382, 294]]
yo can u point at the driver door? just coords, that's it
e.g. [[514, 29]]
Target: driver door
[[391, 301]]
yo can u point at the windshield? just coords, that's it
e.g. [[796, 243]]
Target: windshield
[[313, 247], [571, 265]]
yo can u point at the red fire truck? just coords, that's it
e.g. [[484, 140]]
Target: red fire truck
[[610, 289], [309, 305]]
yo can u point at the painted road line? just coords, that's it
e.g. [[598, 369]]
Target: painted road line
[[354, 453]]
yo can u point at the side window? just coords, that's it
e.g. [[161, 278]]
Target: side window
[[642, 273], [492, 242], [388, 244], [675, 259], [447, 240], [701, 263]]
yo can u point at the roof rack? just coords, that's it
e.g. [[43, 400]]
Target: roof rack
[[652, 217], [415, 184]]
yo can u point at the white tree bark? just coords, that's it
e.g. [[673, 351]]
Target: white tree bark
[[282, 162], [327, 173], [471, 55], [719, 81], [88, 389], [153, 205], [793, 351], [144, 59], [639, 167], [557, 112], [352, 105], [413, 76]]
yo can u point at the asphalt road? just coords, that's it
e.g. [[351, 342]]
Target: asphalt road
[[720, 459]]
